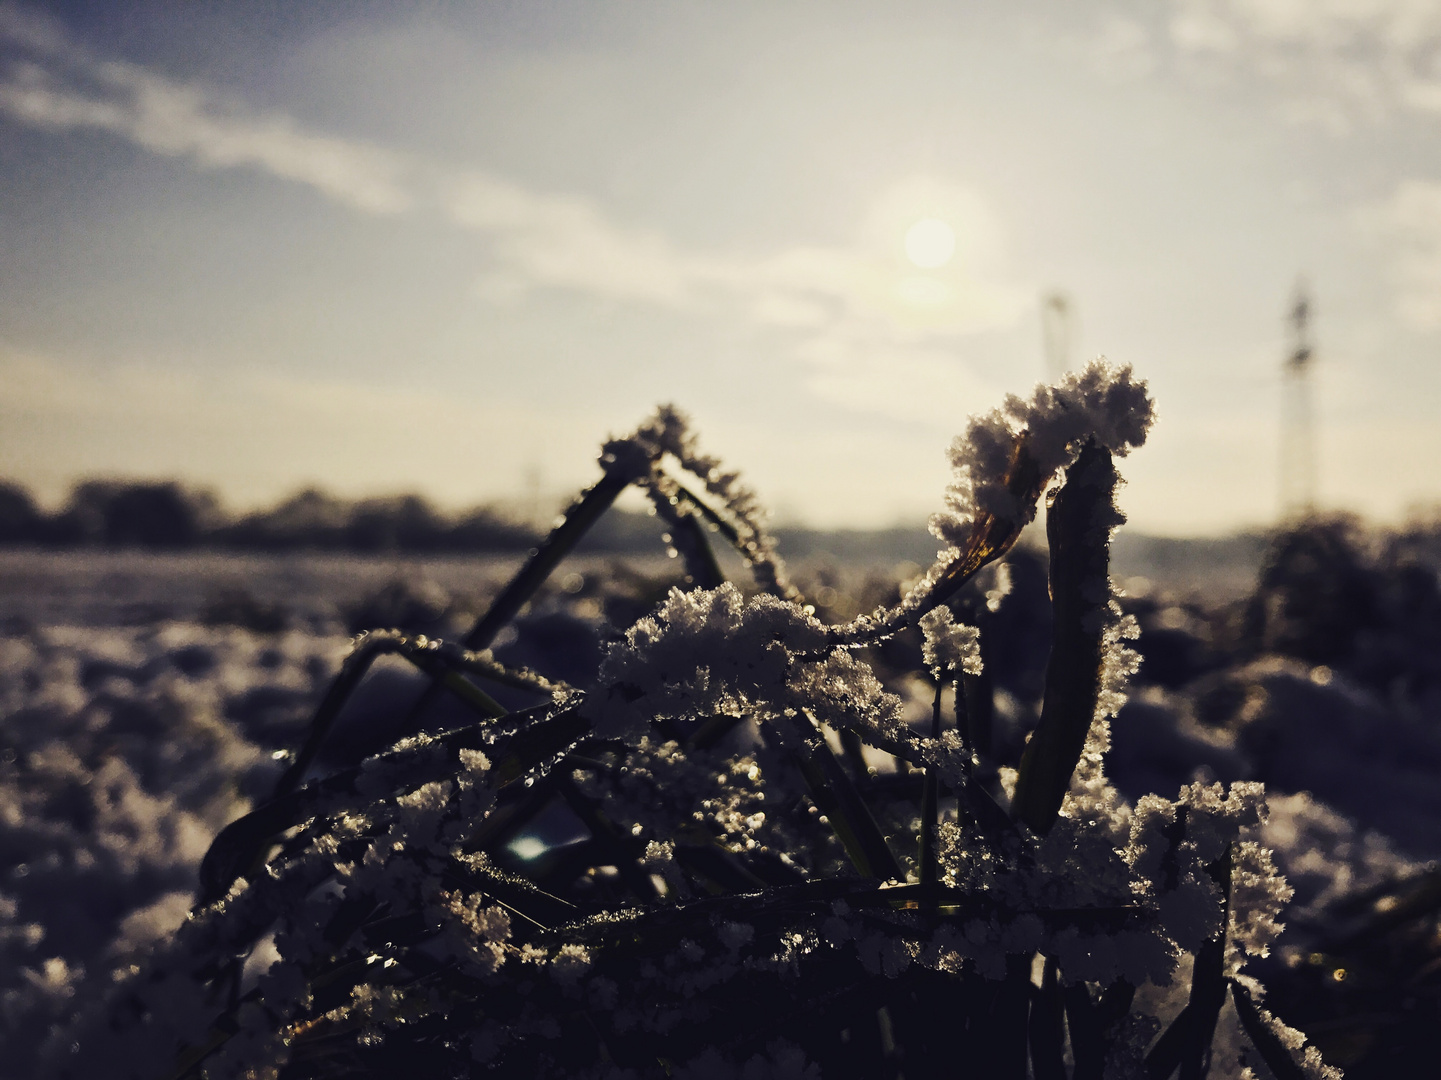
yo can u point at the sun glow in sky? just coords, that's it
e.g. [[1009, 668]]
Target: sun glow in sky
[[930, 243], [446, 247]]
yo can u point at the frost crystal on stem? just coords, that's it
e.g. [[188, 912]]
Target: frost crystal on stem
[[1000, 467], [1103, 403], [949, 646]]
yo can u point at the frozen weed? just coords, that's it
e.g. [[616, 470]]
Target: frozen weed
[[741, 852]]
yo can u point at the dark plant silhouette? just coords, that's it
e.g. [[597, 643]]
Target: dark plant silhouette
[[733, 854]]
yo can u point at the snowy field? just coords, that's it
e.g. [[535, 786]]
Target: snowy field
[[148, 700]]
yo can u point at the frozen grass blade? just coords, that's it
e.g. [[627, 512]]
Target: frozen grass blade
[[975, 702], [637, 459], [555, 547], [241, 844], [1267, 1043], [686, 535], [1047, 1029], [991, 537], [426, 655], [930, 804], [1187, 1042], [836, 796], [1078, 527], [624, 461]]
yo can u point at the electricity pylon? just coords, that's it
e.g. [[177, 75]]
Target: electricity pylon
[[1057, 332], [1298, 437]]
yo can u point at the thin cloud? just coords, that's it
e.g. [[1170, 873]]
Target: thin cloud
[[1337, 62], [824, 295], [1409, 223], [61, 87], [567, 242]]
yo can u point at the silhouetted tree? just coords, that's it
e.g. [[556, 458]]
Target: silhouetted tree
[[400, 523], [21, 521], [485, 530], [1316, 593], [123, 514], [308, 519]]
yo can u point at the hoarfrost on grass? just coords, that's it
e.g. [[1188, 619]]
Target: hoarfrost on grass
[[722, 802], [1101, 402]]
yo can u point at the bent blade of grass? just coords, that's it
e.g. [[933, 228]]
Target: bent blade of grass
[[559, 543], [241, 845], [369, 648], [1080, 558], [1267, 1043], [991, 537]]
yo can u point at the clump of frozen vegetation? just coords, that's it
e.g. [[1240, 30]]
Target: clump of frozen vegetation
[[740, 852]]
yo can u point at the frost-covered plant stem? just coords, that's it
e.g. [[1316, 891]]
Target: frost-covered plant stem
[[1186, 1044], [1002, 463], [637, 459], [930, 800], [1078, 528], [685, 532], [442, 662]]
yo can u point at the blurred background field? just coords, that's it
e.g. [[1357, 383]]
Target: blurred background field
[[319, 590], [149, 698]]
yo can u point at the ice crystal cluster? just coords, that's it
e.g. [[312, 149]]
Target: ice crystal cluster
[[740, 852], [1103, 404]]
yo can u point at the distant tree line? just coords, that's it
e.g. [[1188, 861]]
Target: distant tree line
[[169, 515]]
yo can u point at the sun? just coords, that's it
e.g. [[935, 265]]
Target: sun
[[930, 243]]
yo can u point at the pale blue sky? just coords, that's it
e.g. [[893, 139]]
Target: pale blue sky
[[388, 247]]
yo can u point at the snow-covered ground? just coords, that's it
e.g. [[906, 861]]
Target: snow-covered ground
[[147, 700]]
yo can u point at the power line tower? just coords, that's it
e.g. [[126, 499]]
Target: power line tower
[[1057, 333], [1298, 437]]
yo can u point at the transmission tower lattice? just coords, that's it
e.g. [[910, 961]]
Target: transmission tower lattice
[[1057, 333], [1298, 438]]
